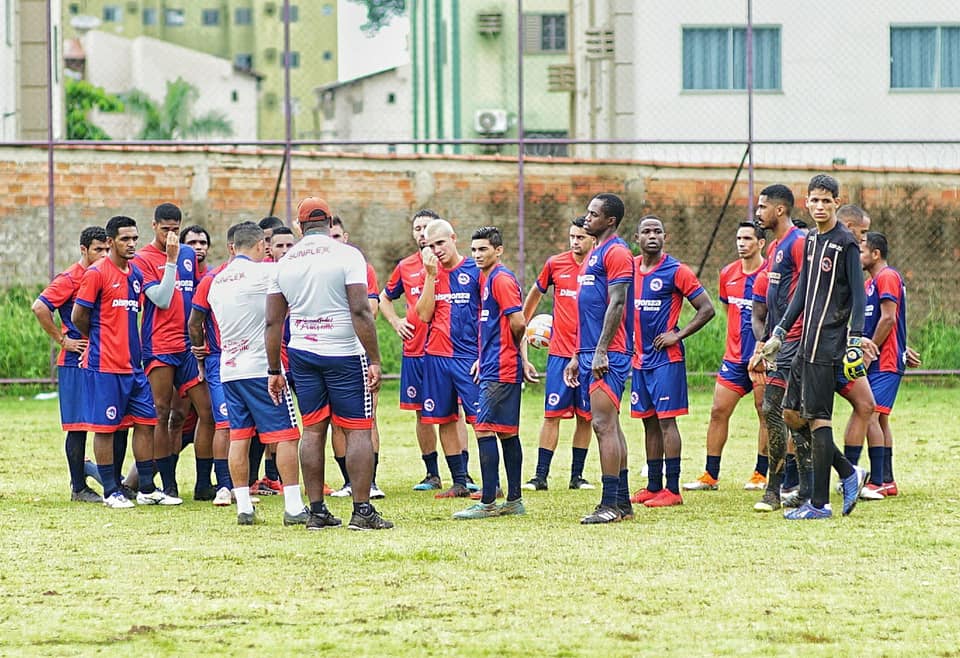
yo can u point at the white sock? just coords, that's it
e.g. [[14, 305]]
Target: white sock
[[244, 504], [292, 502]]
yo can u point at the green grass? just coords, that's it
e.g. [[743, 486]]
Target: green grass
[[709, 578]]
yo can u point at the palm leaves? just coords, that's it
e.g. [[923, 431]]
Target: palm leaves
[[173, 119]]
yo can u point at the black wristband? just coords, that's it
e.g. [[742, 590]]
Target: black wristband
[[270, 371]]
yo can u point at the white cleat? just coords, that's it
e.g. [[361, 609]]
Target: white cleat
[[157, 497], [223, 498], [117, 500]]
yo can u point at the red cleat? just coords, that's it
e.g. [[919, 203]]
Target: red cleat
[[477, 495], [665, 498], [890, 489], [327, 490], [641, 496]]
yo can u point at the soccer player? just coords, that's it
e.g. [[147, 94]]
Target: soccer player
[[561, 401], [830, 295], [450, 303], [334, 356], [600, 368], [58, 298], [238, 300], [338, 438], [501, 369], [197, 238], [116, 391], [733, 380], [282, 241], [885, 321], [659, 388], [269, 225], [784, 259], [170, 365], [406, 280]]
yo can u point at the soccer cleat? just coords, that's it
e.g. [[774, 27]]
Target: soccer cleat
[[247, 518], [535, 484], [86, 495], [580, 483], [602, 514], [478, 495], [343, 492], [376, 492], [327, 489], [872, 491], [626, 511], [770, 502], [267, 487], [157, 497], [808, 512], [705, 482], [117, 500], [296, 519], [890, 489], [791, 497], [852, 485], [643, 495], [325, 519], [371, 521], [128, 492], [512, 507], [204, 493], [224, 498], [471, 485], [757, 482], [428, 483], [456, 491], [478, 511], [665, 498], [173, 491]]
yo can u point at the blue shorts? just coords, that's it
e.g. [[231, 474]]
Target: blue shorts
[[70, 393], [735, 376], [559, 400], [218, 399], [445, 380], [660, 392], [252, 411], [884, 386], [613, 383], [499, 408], [332, 386], [186, 374], [411, 383], [114, 402], [842, 385]]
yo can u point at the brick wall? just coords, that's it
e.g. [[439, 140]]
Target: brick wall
[[920, 212]]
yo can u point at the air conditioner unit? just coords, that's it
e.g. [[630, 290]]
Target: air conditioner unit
[[490, 23], [490, 122]]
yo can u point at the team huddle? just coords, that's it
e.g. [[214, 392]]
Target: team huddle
[[155, 341]]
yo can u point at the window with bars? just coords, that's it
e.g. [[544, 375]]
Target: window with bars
[[111, 14], [243, 16], [925, 57], [150, 16], [173, 17], [715, 58], [210, 17], [545, 33]]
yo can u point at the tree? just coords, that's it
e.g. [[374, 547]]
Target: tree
[[174, 118], [379, 13], [81, 98]]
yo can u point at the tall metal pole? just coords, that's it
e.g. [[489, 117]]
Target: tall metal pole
[[521, 229], [750, 196], [51, 228], [287, 109]]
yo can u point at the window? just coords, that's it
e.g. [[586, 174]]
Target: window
[[111, 14], [925, 57], [327, 55], [243, 16], [716, 58], [294, 14], [173, 17], [243, 61], [545, 33], [391, 98], [149, 16], [234, 96], [327, 9], [74, 7], [210, 17], [294, 59], [550, 150]]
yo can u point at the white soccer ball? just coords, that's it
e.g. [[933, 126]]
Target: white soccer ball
[[539, 331]]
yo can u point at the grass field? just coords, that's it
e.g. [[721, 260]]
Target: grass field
[[709, 578]]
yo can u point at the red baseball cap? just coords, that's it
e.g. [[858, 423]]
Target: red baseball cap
[[310, 209]]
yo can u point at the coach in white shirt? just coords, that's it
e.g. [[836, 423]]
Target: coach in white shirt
[[333, 352]]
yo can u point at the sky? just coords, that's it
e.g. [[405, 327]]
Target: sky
[[359, 54]]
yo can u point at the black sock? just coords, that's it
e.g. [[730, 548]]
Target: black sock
[[376, 462], [75, 447], [120, 438], [319, 508], [256, 456], [342, 463], [823, 454], [363, 509]]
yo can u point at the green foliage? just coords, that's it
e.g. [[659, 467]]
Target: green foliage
[[24, 347], [379, 13], [173, 118], [81, 98], [938, 341]]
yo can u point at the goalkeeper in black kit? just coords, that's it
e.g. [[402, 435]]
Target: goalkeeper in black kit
[[831, 297]]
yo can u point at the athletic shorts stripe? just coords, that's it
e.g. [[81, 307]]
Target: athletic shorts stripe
[[252, 411], [332, 385]]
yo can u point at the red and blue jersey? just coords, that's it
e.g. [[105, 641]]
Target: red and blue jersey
[[659, 297], [561, 272], [608, 264], [453, 329], [201, 302], [736, 292], [760, 285], [887, 286], [500, 359], [407, 280], [784, 259], [59, 297], [113, 297], [164, 331]]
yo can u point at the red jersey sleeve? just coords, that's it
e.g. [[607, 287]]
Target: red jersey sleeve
[[59, 292], [545, 280], [373, 290], [200, 301], [507, 293], [687, 282], [760, 285], [722, 285], [89, 288], [618, 262], [888, 286]]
